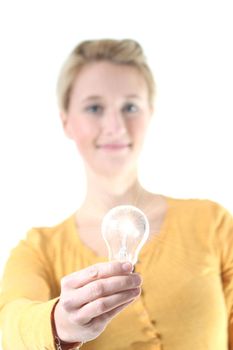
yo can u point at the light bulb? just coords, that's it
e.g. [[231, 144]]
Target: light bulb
[[125, 229]]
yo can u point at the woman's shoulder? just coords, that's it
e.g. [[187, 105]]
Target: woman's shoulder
[[199, 211], [54, 232], [195, 204]]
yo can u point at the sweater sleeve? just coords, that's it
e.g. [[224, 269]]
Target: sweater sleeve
[[225, 246], [28, 294]]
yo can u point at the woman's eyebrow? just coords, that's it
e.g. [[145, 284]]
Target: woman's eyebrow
[[98, 97], [133, 96], [91, 98]]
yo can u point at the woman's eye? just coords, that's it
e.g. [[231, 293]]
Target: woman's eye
[[130, 108], [95, 109]]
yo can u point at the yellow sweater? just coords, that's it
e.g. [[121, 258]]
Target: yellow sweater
[[187, 299]]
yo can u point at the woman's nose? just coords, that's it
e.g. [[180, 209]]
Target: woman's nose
[[114, 123]]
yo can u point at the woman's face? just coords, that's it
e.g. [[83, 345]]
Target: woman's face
[[108, 116]]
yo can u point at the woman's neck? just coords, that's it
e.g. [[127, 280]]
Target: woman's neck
[[103, 194]]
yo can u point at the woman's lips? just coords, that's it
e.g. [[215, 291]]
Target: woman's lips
[[113, 146]]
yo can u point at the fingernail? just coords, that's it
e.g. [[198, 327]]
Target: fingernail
[[127, 266]]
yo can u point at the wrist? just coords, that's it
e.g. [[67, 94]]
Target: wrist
[[59, 343]]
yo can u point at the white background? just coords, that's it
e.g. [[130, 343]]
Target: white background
[[189, 150]]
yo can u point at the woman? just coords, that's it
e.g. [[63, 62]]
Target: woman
[[59, 291]]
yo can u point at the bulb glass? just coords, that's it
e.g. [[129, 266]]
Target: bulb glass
[[125, 229]]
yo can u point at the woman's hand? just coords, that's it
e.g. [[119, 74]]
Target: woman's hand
[[90, 298]]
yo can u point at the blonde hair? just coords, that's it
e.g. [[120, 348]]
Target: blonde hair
[[125, 52]]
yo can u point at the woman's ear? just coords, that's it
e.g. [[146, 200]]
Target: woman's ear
[[152, 110], [66, 125]]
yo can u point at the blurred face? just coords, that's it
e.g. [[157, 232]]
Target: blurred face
[[108, 116]]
